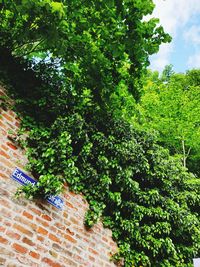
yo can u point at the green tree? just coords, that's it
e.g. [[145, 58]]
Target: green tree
[[102, 46], [172, 108]]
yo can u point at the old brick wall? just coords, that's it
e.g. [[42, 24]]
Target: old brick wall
[[38, 234]]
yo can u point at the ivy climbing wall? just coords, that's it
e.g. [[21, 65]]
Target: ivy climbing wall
[[35, 233]]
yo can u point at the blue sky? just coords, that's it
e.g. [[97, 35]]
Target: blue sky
[[181, 19]]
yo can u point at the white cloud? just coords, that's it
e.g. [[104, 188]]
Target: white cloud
[[173, 15], [194, 61], [159, 61], [192, 35]]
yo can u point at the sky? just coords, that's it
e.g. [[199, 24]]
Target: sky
[[181, 19]]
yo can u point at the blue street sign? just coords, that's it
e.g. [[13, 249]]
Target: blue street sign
[[24, 179]]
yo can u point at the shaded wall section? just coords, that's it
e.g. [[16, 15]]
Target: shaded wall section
[[36, 233]]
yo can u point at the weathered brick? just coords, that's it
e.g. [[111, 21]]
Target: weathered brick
[[13, 235], [69, 238], [40, 238], [19, 248], [28, 241], [60, 226], [44, 223], [93, 251], [73, 220], [42, 231], [2, 261], [6, 162], [53, 253], [54, 238], [8, 117], [69, 262], [11, 146], [3, 240], [22, 229], [6, 212], [2, 229], [23, 221], [51, 263], [34, 255], [4, 154], [27, 215], [36, 211], [5, 203], [4, 193], [57, 247], [6, 252], [46, 217]]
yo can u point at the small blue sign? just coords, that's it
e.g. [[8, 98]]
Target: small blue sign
[[24, 179]]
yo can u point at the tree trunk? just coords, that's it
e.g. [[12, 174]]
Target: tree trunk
[[185, 154]]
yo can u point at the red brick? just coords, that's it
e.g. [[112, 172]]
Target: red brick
[[42, 231], [69, 262], [104, 239], [28, 241], [4, 154], [8, 117], [4, 193], [40, 238], [2, 125], [6, 162], [91, 258], [71, 239], [22, 229], [44, 223], [27, 215], [93, 251], [54, 238], [5, 203], [46, 217], [60, 226], [7, 223], [4, 147], [17, 124], [3, 175], [25, 222], [74, 220], [6, 213], [13, 235], [36, 211], [3, 240], [2, 229], [19, 248], [11, 146], [69, 204], [34, 255], [51, 263]]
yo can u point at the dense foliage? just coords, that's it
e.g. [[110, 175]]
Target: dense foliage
[[170, 104], [74, 69]]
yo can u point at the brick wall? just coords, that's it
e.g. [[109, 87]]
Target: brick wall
[[38, 234]]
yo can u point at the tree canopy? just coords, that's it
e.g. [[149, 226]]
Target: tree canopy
[[172, 107]]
